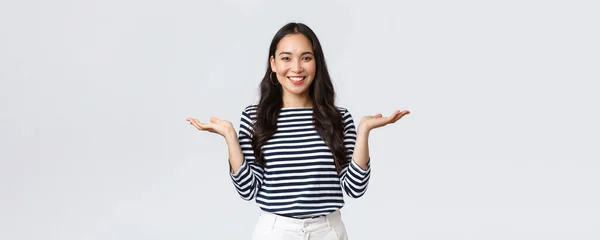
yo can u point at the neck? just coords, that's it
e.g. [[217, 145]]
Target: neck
[[297, 101]]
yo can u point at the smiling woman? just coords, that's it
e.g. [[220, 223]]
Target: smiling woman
[[295, 67], [296, 152]]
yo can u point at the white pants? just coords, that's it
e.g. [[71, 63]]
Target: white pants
[[275, 227]]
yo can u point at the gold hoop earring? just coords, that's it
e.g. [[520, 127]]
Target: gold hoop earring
[[271, 77]]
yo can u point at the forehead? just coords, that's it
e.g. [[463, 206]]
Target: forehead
[[294, 43]]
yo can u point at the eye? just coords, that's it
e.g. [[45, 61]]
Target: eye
[[307, 58], [285, 58]]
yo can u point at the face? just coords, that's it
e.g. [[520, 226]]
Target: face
[[294, 63]]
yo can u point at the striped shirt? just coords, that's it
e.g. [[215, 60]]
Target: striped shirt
[[299, 179]]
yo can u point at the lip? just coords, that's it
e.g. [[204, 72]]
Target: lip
[[296, 82]]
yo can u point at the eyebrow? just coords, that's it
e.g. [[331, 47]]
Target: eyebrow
[[291, 53]]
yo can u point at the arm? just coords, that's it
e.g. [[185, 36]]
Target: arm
[[361, 149], [236, 156], [355, 175], [246, 174]]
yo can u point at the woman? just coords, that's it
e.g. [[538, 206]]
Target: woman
[[296, 152]]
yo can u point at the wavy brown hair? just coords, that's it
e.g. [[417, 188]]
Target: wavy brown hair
[[326, 116]]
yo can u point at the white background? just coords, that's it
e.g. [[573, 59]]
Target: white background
[[502, 142]]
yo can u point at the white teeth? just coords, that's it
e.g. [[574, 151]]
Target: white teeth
[[297, 79]]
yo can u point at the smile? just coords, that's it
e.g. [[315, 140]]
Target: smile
[[296, 79]]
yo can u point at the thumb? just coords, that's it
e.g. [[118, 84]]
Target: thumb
[[217, 120]]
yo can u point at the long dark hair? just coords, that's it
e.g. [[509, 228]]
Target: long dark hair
[[326, 116]]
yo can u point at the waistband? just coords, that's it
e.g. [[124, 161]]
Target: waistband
[[296, 224]]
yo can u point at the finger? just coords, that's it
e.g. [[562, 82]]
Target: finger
[[401, 114], [397, 118], [217, 120], [389, 119], [203, 126], [189, 120], [196, 124], [392, 117], [211, 127]]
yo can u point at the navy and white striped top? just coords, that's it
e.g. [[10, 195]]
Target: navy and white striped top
[[300, 179]]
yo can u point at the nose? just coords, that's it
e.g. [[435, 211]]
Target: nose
[[297, 66]]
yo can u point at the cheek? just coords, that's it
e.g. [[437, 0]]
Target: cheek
[[311, 68], [282, 68]]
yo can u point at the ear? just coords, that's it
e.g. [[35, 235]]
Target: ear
[[273, 68]]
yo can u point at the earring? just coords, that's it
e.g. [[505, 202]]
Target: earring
[[271, 77]]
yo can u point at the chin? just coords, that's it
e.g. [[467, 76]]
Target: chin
[[302, 92]]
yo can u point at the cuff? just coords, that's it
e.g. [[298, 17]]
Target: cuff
[[355, 168], [241, 172]]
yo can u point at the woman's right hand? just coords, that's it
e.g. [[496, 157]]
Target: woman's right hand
[[218, 126]]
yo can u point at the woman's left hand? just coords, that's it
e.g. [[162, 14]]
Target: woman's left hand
[[369, 123]]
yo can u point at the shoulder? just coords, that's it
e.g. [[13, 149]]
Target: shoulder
[[343, 110], [249, 112], [346, 116], [250, 108]]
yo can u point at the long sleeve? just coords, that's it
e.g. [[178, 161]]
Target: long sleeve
[[354, 179], [249, 177]]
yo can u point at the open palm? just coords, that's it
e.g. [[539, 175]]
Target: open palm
[[376, 121], [218, 126]]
